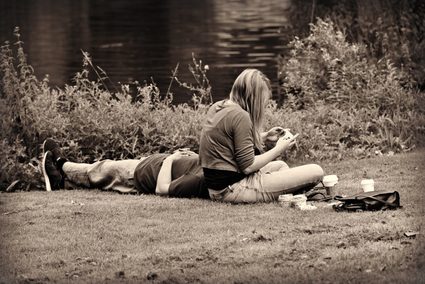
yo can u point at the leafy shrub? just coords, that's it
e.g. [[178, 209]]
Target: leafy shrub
[[391, 29], [346, 101], [328, 132], [201, 89], [17, 166]]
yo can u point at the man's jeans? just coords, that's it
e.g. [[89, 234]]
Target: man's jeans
[[106, 174]]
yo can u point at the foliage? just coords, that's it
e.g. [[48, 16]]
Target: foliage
[[18, 88], [396, 33], [17, 166], [391, 29], [341, 100]]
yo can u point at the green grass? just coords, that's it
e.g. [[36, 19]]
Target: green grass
[[94, 236]]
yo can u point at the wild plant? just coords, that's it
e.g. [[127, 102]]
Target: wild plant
[[201, 89], [326, 74], [389, 29]]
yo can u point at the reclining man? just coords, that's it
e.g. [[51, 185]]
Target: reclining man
[[173, 175]]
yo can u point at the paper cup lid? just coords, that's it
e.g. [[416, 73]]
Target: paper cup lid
[[330, 180]]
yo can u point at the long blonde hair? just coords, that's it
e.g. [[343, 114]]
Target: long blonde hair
[[251, 90]]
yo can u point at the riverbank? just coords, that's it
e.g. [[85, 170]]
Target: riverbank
[[93, 122], [94, 236]]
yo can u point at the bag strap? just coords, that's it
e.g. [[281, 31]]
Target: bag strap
[[348, 207], [312, 195], [362, 195], [383, 201]]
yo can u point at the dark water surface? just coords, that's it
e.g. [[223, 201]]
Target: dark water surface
[[137, 40]]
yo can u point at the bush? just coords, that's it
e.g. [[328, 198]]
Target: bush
[[391, 29], [345, 101], [328, 132]]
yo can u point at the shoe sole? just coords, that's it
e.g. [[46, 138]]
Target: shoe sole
[[46, 177], [44, 146]]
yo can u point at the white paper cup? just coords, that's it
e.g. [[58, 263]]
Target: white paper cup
[[330, 180], [368, 185]]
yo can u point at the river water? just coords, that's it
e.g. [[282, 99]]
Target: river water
[[139, 40], [144, 40]]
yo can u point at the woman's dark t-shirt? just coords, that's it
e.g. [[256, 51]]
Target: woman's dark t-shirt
[[226, 144]]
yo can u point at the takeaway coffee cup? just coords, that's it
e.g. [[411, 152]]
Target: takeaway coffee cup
[[329, 182], [368, 185]]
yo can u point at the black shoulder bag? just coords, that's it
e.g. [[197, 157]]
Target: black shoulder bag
[[369, 201]]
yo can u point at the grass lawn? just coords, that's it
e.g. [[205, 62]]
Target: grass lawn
[[94, 236]]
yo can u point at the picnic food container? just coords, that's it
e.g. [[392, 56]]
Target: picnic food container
[[299, 202], [285, 199]]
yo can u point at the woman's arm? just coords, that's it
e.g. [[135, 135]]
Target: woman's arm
[[260, 161]]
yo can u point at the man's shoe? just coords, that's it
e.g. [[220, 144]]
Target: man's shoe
[[52, 176], [51, 145]]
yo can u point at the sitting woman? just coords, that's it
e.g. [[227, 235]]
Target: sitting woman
[[236, 169]]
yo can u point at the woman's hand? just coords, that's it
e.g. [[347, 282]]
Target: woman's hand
[[274, 133], [284, 143]]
